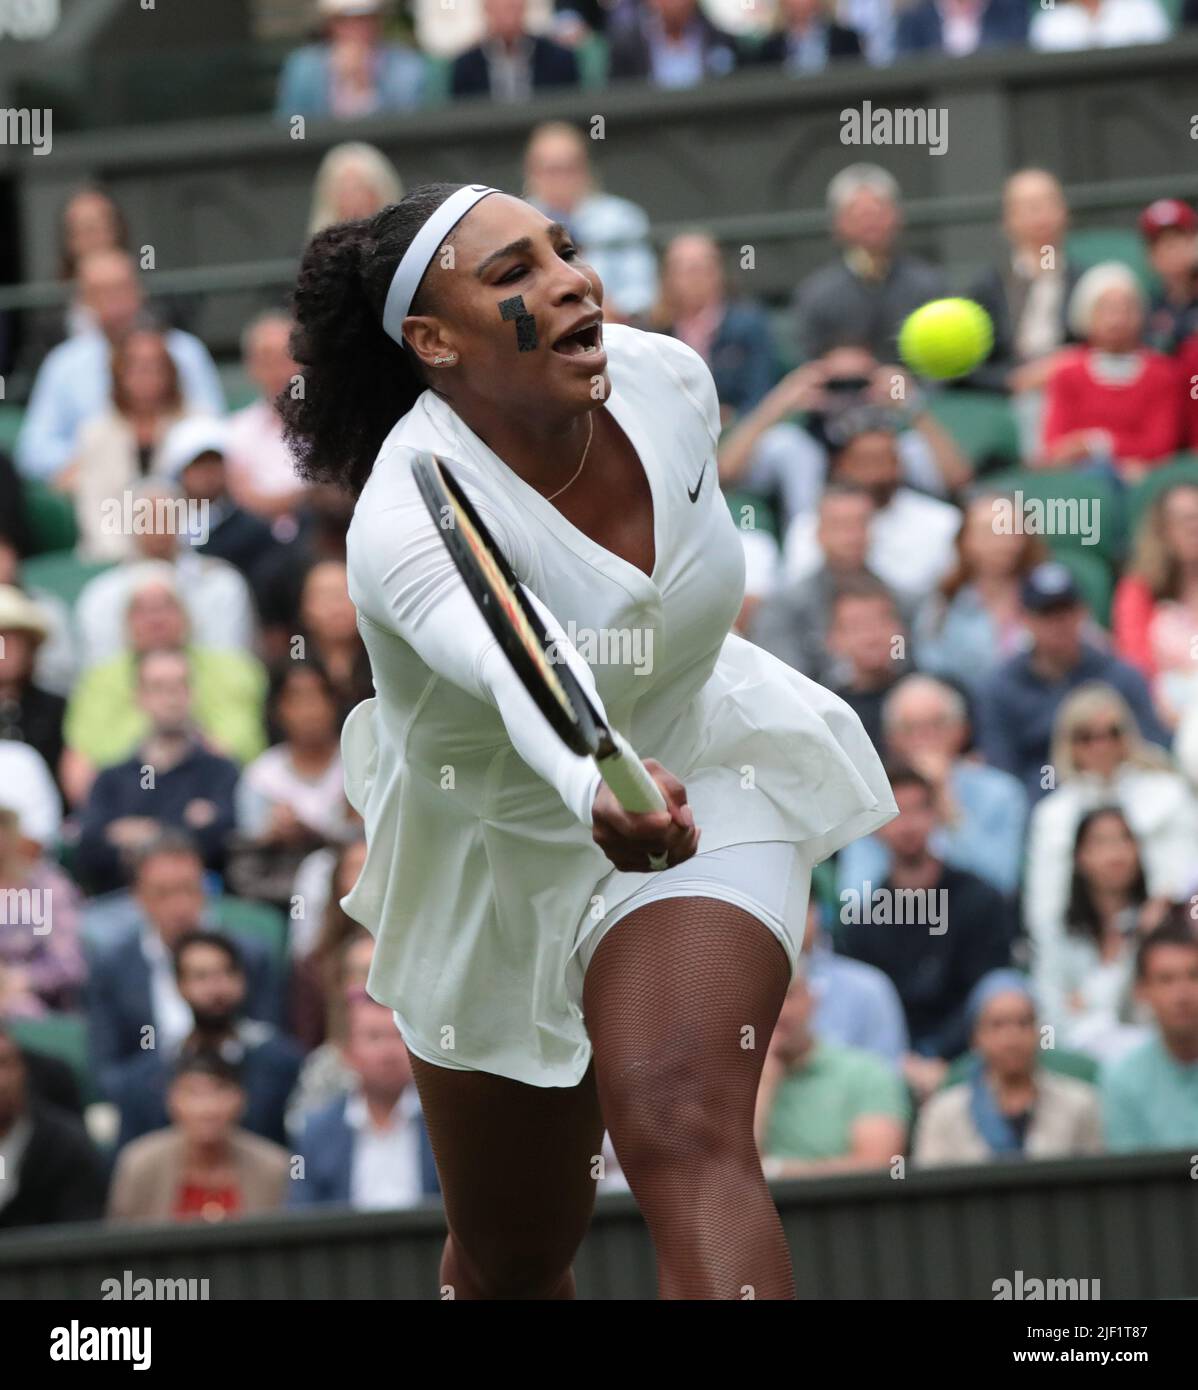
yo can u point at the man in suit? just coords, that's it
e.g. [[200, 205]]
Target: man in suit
[[369, 1149], [133, 1001], [49, 1169], [807, 38], [671, 43], [961, 27], [1027, 293], [210, 971], [510, 64]]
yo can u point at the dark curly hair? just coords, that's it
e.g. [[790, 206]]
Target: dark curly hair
[[357, 382]]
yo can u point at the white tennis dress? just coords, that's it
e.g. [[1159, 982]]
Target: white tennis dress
[[481, 879]]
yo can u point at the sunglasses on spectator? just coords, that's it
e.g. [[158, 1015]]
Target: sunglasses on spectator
[[1108, 731]]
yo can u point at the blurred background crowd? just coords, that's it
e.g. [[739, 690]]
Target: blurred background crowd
[[1009, 969]]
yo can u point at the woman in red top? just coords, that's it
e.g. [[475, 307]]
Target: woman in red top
[[1155, 612], [1112, 399]]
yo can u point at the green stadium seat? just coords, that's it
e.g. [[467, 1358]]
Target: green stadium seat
[[436, 79], [1183, 469], [63, 1036], [51, 517], [1057, 1059], [1097, 244], [751, 512], [1048, 485], [239, 390], [981, 422], [1093, 578], [254, 921], [60, 573], [592, 61], [10, 426]]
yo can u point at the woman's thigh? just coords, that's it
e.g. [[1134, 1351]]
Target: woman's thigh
[[517, 1163]]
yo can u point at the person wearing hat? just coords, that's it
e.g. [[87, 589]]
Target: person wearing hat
[[1170, 230], [1010, 1106], [194, 455], [1017, 707], [352, 72], [28, 713]]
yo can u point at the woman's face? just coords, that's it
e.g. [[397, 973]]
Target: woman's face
[[1107, 856], [89, 224], [1116, 321], [1099, 742], [156, 619], [145, 372], [1005, 1034], [307, 713], [504, 293], [354, 193], [989, 551], [1181, 525], [327, 610]]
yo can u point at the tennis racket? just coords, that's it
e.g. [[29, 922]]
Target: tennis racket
[[526, 641]]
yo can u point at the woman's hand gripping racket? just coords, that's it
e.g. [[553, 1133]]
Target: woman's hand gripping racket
[[526, 641]]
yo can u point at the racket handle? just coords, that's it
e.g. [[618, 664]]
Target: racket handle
[[629, 778]]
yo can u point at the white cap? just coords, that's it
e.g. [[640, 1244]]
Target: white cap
[[186, 441], [338, 9]]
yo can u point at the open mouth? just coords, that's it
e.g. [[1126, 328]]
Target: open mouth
[[581, 343]]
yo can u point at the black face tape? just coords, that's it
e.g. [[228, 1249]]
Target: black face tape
[[526, 325]]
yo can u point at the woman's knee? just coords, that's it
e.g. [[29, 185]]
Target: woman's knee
[[509, 1268]]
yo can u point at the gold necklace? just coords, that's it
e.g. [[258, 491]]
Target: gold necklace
[[582, 464]]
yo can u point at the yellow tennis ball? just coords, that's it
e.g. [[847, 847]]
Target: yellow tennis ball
[[946, 338]]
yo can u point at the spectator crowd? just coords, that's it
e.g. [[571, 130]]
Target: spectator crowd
[[1007, 970]]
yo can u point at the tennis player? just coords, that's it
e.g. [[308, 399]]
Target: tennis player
[[555, 963]]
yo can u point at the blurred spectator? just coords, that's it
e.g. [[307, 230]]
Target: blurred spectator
[[327, 1075], [793, 622], [981, 812], [1016, 708], [1111, 403], [292, 797], [41, 964], [1170, 229], [773, 455], [961, 27], [1099, 759], [1155, 612], [806, 38], [90, 221], [354, 180], [133, 1000], [1027, 297], [510, 64], [329, 632], [167, 533], [612, 233], [1078, 24], [974, 619], [52, 1173], [103, 721], [1084, 963], [1187, 366], [352, 72], [369, 1149], [204, 1167], [123, 444], [933, 929], [194, 459], [911, 535], [856, 1005], [172, 779], [74, 383], [211, 979], [865, 294], [874, 22], [868, 646], [672, 44], [27, 787], [317, 985], [732, 336], [823, 1107], [1011, 1106], [262, 474], [28, 713], [1150, 1096]]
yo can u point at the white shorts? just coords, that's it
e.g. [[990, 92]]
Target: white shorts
[[770, 879]]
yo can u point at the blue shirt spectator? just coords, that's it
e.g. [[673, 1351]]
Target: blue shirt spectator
[[856, 1005], [961, 27], [672, 44]]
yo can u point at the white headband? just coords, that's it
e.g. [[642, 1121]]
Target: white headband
[[410, 270]]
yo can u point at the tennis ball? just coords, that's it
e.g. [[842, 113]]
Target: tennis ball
[[946, 338]]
